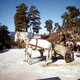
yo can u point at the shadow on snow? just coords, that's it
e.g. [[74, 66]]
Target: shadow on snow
[[51, 78]]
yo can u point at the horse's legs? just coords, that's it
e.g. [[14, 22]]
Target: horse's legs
[[41, 54], [28, 56], [25, 54], [50, 53], [29, 53], [48, 56], [29, 59]]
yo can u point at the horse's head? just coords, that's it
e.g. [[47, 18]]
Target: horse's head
[[16, 36], [23, 36]]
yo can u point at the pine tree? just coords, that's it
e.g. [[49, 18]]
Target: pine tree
[[5, 39], [48, 25], [20, 19], [71, 17], [34, 19]]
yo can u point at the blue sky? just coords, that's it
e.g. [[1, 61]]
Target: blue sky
[[49, 9]]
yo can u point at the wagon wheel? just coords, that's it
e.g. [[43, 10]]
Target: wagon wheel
[[69, 56]]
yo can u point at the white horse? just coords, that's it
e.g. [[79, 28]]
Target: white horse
[[40, 45], [34, 44]]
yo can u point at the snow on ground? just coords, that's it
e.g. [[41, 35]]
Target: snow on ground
[[13, 67]]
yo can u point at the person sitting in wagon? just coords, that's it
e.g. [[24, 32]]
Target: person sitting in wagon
[[62, 39]]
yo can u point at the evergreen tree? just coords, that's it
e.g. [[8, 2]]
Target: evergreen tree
[[48, 25], [4, 36], [34, 19], [72, 17], [20, 19]]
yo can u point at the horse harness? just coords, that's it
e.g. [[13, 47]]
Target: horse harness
[[29, 45]]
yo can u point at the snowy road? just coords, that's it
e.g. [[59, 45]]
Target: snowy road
[[13, 67]]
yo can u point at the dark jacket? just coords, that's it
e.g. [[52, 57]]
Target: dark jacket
[[62, 38]]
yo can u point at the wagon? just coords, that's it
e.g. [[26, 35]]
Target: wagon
[[63, 51]]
